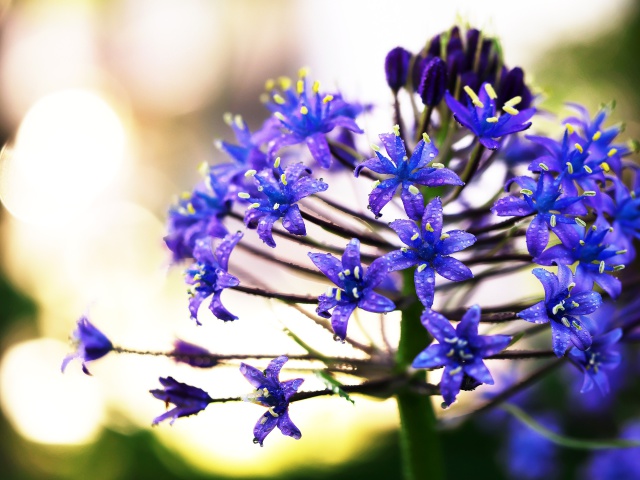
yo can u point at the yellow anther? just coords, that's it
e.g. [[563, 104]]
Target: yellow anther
[[605, 166], [587, 168], [283, 179], [250, 173], [356, 272], [300, 86], [490, 91], [338, 294], [327, 98], [303, 72], [426, 138], [304, 110], [510, 110], [455, 370], [228, 118], [437, 165], [413, 190], [570, 128], [579, 147], [264, 98], [279, 116], [474, 98], [601, 267], [375, 147], [276, 206], [185, 195], [375, 184], [272, 412], [422, 267], [253, 205], [276, 163], [428, 227], [514, 101], [285, 82], [596, 136], [580, 222], [269, 84], [190, 208], [203, 169], [405, 158], [569, 167], [557, 308], [316, 86], [396, 130], [543, 167], [621, 252], [444, 236], [238, 121], [552, 221], [415, 236], [492, 120], [526, 191], [244, 195], [278, 99], [612, 152]]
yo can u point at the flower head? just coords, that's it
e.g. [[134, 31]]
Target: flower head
[[208, 276], [275, 395], [91, 344], [406, 173], [600, 356], [429, 249], [460, 350], [279, 195], [481, 118], [188, 400], [564, 307], [307, 115], [354, 286]]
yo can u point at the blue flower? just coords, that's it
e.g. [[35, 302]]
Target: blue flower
[[602, 355], [307, 116], [593, 257], [529, 455], [278, 199], [196, 215], [275, 395], [355, 286], [543, 199], [91, 344], [564, 307], [407, 173], [208, 276], [625, 217], [430, 249], [188, 400], [617, 463], [194, 355], [481, 118], [460, 350]]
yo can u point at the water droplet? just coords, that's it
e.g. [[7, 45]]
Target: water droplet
[[256, 441], [337, 338]]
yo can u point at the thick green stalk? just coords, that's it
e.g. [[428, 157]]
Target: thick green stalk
[[419, 441]]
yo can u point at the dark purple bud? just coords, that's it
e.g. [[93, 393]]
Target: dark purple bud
[[512, 85], [433, 83], [419, 65], [434, 47], [473, 36], [455, 63], [396, 66], [194, 355], [484, 59], [455, 42]]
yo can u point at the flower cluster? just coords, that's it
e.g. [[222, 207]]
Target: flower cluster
[[572, 223]]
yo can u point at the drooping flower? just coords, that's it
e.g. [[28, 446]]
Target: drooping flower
[[600, 356], [460, 350], [481, 118], [196, 215], [406, 173], [275, 395], [91, 344], [307, 116], [429, 249], [188, 400], [545, 199], [355, 286], [564, 307], [194, 355], [624, 211], [593, 256], [280, 193], [209, 276]]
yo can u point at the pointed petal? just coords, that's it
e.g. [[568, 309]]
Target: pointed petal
[[413, 203], [452, 269], [588, 302], [265, 226], [435, 177], [433, 217], [351, 255], [340, 319], [399, 260], [266, 423], [254, 376], [478, 371], [292, 221], [328, 265], [561, 336], [535, 314], [433, 356], [438, 326], [425, 283], [511, 206], [549, 283], [374, 302], [450, 384], [319, 149], [273, 369], [468, 326], [290, 387], [226, 246], [537, 236], [406, 230], [287, 427], [219, 310], [377, 272], [382, 194], [456, 241]]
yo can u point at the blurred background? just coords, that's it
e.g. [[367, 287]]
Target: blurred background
[[106, 110]]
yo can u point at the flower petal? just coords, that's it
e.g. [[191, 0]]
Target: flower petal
[[266, 423], [452, 269], [287, 427], [433, 356], [438, 326], [328, 265], [292, 221], [340, 319], [450, 383], [425, 283], [374, 302]]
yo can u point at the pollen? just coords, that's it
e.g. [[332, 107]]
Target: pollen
[[492, 120], [316, 86], [413, 190], [490, 91], [422, 267], [570, 128], [283, 179], [269, 84], [304, 110], [253, 205], [580, 222], [276, 163], [428, 227], [601, 266], [514, 101], [285, 83], [605, 166], [396, 130], [426, 138], [276, 206], [338, 294], [596, 136], [569, 167], [552, 221], [355, 293], [279, 116], [557, 308], [415, 236], [356, 272], [543, 167], [375, 147], [278, 99], [455, 370], [526, 191], [250, 173], [579, 147], [300, 87], [327, 98], [612, 152], [587, 169], [190, 208], [444, 236], [474, 98], [244, 195], [510, 110]]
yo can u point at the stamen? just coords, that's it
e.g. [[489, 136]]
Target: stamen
[[437, 165], [354, 291], [283, 179], [510, 110], [526, 191], [253, 205], [574, 304], [396, 130], [228, 118], [338, 294], [415, 236], [444, 236], [203, 169], [356, 272], [617, 268], [190, 208], [347, 272], [327, 98], [569, 167], [278, 99], [276, 206], [316, 86], [581, 242], [455, 370], [580, 222], [451, 340], [589, 193], [413, 190], [621, 252], [426, 138], [238, 121], [565, 322], [250, 173], [474, 98], [571, 285], [276, 163], [492, 120], [303, 72], [244, 195], [428, 227], [605, 166], [341, 275], [375, 147], [330, 292], [404, 249], [269, 84], [596, 136], [570, 128], [451, 352], [552, 221], [304, 110], [422, 267], [557, 308], [587, 169], [601, 267], [300, 86], [279, 116], [612, 152], [579, 147], [285, 82], [490, 91], [576, 325], [513, 102], [543, 167], [272, 412], [375, 184]]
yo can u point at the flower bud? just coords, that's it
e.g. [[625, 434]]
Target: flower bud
[[396, 66], [433, 83]]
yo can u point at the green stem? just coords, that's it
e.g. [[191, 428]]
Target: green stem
[[419, 440]]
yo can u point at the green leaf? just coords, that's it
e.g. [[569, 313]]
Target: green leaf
[[333, 384], [561, 439]]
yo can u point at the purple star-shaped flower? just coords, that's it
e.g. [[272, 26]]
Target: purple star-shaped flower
[[91, 344], [188, 400], [279, 194], [429, 250], [355, 286], [544, 198], [307, 116], [208, 276], [460, 350], [601, 355], [624, 211], [406, 173], [275, 395], [564, 307], [196, 215], [481, 118]]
